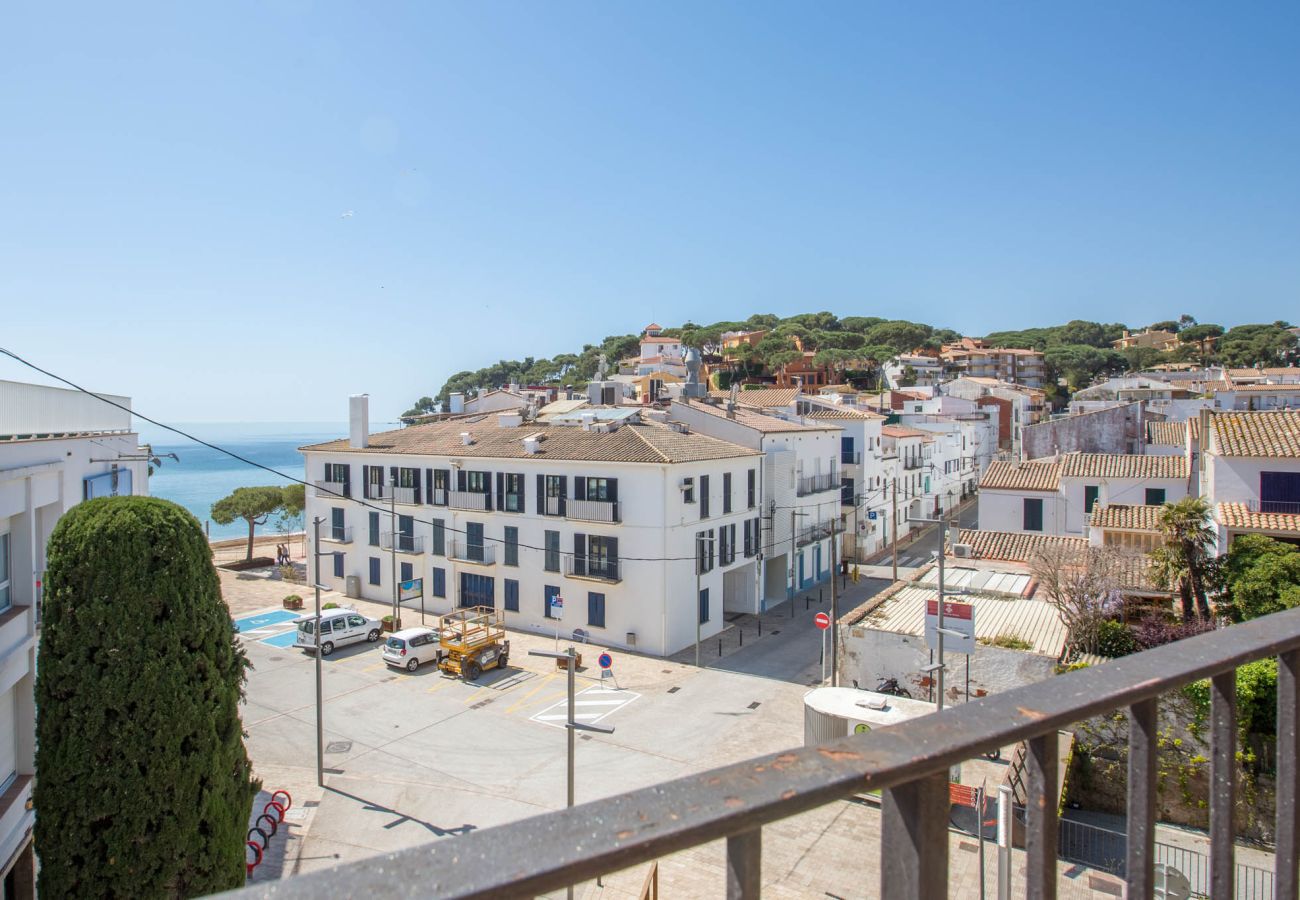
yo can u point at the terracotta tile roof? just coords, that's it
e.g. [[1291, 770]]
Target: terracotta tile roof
[[632, 443], [1123, 465], [902, 431], [1256, 433], [1263, 388], [1134, 568], [1238, 515], [1167, 434], [1125, 518], [764, 397], [1015, 546], [817, 411], [1022, 476], [1277, 371], [757, 419]]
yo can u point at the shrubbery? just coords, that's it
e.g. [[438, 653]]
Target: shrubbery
[[1115, 639], [145, 786]]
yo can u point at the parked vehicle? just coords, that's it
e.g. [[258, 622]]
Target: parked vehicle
[[411, 648], [474, 641], [338, 628]]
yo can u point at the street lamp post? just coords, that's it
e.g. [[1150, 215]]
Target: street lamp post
[[320, 694]]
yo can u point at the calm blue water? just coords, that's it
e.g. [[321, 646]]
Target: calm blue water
[[204, 476]]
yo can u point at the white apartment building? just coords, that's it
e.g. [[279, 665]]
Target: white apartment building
[[799, 488], [1057, 495], [862, 472], [614, 513], [57, 448], [1251, 473]]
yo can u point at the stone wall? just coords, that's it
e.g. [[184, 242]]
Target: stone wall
[[1116, 430]]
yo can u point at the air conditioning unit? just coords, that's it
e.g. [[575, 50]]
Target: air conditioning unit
[[965, 551]]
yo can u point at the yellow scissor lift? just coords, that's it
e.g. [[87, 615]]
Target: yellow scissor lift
[[473, 641]]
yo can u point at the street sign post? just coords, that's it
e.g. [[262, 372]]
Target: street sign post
[[823, 622], [556, 610], [605, 660], [410, 590], [958, 625]]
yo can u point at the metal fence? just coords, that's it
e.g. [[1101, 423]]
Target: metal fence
[[908, 763]]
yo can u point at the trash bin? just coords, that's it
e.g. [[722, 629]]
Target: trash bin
[[353, 587]]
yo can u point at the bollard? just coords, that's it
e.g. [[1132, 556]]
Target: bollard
[[805, 603], [760, 627], [741, 632], [719, 646], [819, 596]]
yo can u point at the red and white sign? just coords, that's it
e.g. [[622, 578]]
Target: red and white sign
[[958, 622], [822, 621]]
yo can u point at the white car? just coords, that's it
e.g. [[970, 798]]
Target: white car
[[338, 627], [411, 648]]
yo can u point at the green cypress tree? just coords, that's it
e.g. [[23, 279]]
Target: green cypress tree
[[143, 785]]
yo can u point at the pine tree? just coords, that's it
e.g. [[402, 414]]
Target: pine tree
[[143, 785]]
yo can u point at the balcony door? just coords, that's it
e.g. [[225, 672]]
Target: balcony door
[[1279, 492], [477, 590]]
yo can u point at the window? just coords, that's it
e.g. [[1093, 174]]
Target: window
[[1279, 492], [512, 493], [847, 456], [374, 529], [441, 484], [552, 561], [409, 478], [599, 489], [726, 492], [751, 536], [688, 490], [1033, 514], [476, 482], [512, 595], [704, 605], [751, 492], [405, 537], [374, 570], [704, 551], [727, 544], [704, 496], [474, 541], [554, 489], [846, 491], [338, 569], [548, 592], [439, 582], [596, 610], [1090, 494], [439, 538], [512, 546], [338, 473], [407, 572], [1155, 496], [336, 523], [600, 557], [373, 487]]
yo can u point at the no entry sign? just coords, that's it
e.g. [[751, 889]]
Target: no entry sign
[[822, 621]]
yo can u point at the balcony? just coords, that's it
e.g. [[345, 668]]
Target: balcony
[[439, 496], [377, 492], [406, 543], [815, 484], [554, 506], [408, 496], [465, 551], [851, 457], [593, 510], [1278, 507], [908, 764], [811, 534], [597, 569], [331, 490], [467, 500], [913, 462], [336, 534]]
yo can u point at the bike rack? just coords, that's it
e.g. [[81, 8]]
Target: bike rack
[[273, 813]]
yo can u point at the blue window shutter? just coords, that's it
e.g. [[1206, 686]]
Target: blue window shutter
[[338, 565]]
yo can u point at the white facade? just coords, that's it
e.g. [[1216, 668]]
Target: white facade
[[637, 590], [57, 448]]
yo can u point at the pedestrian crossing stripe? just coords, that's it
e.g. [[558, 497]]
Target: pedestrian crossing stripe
[[590, 706]]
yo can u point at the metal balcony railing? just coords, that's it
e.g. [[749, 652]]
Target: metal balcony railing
[[468, 500], [909, 764], [405, 543], [554, 506], [336, 534], [331, 490], [376, 491], [851, 457], [593, 510], [913, 462], [439, 496], [406, 495], [811, 534], [464, 551], [815, 484], [593, 567], [1281, 507]]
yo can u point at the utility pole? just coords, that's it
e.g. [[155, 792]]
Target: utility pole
[[943, 534], [392, 536], [793, 519], [835, 609], [320, 704], [893, 528], [572, 725]]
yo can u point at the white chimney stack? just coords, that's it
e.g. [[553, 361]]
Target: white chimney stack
[[359, 420], [466, 438], [456, 403]]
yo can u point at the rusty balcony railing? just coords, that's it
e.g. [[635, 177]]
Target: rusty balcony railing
[[909, 764]]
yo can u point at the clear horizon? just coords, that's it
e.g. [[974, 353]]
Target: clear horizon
[[249, 212]]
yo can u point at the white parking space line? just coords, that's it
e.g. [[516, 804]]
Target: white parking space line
[[590, 705]]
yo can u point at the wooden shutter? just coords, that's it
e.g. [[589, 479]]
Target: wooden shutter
[[520, 483], [580, 554], [501, 490], [428, 485], [541, 495], [579, 487], [460, 479]]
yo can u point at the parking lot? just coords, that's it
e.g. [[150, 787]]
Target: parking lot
[[415, 756]]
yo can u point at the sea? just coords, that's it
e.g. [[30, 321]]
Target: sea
[[201, 476]]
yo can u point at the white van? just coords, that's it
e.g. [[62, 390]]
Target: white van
[[338, 627]]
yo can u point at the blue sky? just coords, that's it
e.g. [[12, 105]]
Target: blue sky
[[523, 178]]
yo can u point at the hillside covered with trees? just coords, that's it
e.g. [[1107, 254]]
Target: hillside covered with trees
[[856, 346]]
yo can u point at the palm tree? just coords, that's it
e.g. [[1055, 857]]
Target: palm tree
[[1186, 561]]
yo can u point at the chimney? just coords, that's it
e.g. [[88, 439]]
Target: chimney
[[359, 420], [456, 403], [587, 420], [467, 439], [532, 445], [509, 420]]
